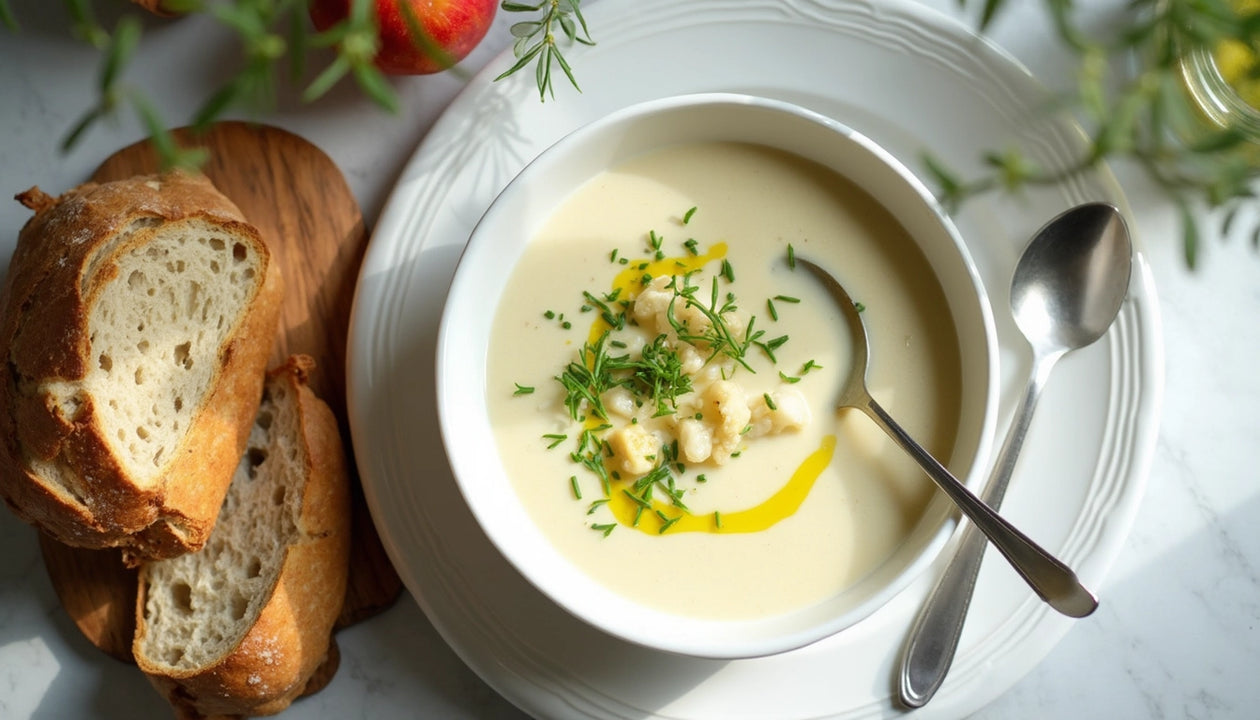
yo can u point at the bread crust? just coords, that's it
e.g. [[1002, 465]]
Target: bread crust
[[273, 663], [63, 257]]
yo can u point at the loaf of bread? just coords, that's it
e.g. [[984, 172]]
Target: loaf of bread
[[239, 627], [136, 319]]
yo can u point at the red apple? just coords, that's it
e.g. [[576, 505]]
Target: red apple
[[452, 27]]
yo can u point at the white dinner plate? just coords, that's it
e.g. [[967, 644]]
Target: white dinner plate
[[913, 81]]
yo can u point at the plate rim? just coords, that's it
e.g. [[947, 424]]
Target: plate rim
[[1151, 369]]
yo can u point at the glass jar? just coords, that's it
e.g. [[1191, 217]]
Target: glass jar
[[1217, 81]]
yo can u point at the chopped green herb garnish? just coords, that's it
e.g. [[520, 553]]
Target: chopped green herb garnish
[[523, 389], [687, 215], [612, 257], [774, 314], [718, 336], [639, 500], [596, 505], [788, 378], [577, 491], [860, 307], [769, 401], [810, 365], [770, 346], [717, 519], [550, 315], [605, 528], [728, 272], [668, 523], [555, 439], [702, 478], [616, 320], [692, 246], [586, 379], [791, 254], [787, 298], [654, 245]]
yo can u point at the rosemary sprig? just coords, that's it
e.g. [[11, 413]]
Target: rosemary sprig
[[114, 94], [536, 40], [659, 375], [275, 35], [587, 379], [717, 336], [272, 33]]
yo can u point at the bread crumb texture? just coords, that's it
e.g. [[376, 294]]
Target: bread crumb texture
[[136, 318], [199, 606], [156, 333]]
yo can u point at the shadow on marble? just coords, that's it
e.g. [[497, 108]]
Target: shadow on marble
[[37, 632], [1177, 637]]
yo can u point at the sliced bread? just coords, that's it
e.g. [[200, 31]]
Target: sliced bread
[[239, 627], [136, 319]]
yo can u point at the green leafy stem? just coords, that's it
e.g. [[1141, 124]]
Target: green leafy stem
[[1130, 94], [275, 36]]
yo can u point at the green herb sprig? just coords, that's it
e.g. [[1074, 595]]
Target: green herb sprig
[[1140, 111], [275, 37], [536, 40], [718, 335]]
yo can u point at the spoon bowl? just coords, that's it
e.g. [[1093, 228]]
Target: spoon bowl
[[1071, 280]]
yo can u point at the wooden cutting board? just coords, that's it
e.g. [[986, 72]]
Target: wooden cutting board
[[299, 200]]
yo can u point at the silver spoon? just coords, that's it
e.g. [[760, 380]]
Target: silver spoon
[[1051, 579], [1067, 289]]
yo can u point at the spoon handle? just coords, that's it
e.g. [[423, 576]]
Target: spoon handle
[[1053, 581], [933, 637]]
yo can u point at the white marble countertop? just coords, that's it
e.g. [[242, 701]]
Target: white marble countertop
[[1175, 636]]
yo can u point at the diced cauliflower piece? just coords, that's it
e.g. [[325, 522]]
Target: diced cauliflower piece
[[791, 412], [695, 440], [619, 401], [634, 449], [691, 359], [692, 317], [651, 310], [725, 409], [651, 307], [717, 369]]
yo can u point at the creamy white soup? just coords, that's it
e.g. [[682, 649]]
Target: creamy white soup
[[710, 473]]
